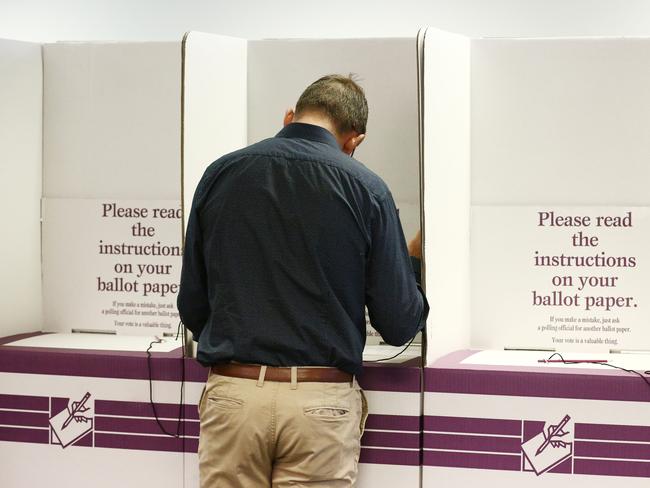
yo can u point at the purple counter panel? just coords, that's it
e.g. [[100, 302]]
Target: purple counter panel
[[111, 439], [490, 425], [114, 439]]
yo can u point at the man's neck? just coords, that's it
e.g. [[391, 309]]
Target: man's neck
[[315, 118]]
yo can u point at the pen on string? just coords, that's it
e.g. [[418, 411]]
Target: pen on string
[[571, 361]]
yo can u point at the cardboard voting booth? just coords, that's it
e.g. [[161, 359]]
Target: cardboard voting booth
[[92, 169], [93, 372], [530, 159], [536, 214]]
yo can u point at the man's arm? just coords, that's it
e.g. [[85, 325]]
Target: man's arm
[[193, 304], [396, 304]]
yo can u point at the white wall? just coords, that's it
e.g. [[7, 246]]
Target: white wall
[[21, 109], [48, 20]]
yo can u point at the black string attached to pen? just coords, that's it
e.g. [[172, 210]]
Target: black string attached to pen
[[179, 423], [643, 376]]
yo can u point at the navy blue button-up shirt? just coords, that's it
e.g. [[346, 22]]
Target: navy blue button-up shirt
[[287, 241]]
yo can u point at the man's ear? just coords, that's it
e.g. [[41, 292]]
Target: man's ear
[[352, 142], [288, 117]]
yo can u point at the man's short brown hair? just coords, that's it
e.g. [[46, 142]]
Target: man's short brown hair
[[340, 98]]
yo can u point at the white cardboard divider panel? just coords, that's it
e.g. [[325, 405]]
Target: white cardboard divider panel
[[559, 133], [112, 120], [112, 218], [214, 104], [446, 89], [103, 272], [537, 284], [560, 122], [21, 81]]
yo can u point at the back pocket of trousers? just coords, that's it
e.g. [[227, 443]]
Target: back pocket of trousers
[[327, 412], [225, 402]]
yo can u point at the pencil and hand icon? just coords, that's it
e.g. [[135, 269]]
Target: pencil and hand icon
[[72, 422], [553, 432], [550, 447]]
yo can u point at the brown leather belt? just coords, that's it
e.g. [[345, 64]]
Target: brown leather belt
[[273, 373]]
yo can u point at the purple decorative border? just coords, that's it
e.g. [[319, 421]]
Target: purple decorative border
[[145, 426], [472, 425], [633, 433], [388, 456], [465, 442], [164, 366], [391, 439], [146, 443], [144, 409], [391, 378], [393, 422], [448, 459], [618, 386], [25, 402], [19, 337], [615, 450], [38, 436], [132, 425], [611, 468]]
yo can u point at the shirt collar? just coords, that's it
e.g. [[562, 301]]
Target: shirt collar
[[299, 130]]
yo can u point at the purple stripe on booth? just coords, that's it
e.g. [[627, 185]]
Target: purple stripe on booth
[[390, 456], [465, 442], [38, 436], [621, 387], [146, 443], [505, 462], [385, 378], [472, 425], [144, 409], [19, 337], [640, 433], [165, 367], [603, 467], [28, 419], [144, 426], [25, 402], [620, 450], [102, 364], [391, 439], [393, 422]]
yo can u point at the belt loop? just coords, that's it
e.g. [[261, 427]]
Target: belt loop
[[294, 378], [260, 379]]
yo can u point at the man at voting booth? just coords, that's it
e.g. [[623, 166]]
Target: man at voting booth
[[288, 240]]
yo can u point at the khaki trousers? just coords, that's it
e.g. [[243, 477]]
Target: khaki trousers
[[258, 434]]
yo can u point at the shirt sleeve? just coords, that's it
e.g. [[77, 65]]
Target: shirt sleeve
[[192, 301], [396, 304]]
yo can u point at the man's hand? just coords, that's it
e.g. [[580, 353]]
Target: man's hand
[[415, 246]]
